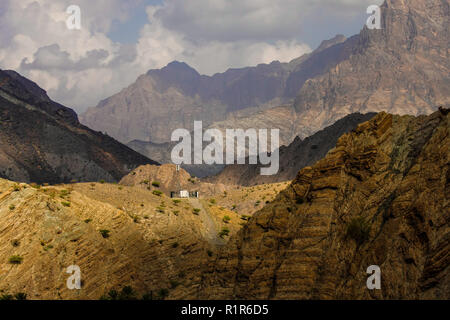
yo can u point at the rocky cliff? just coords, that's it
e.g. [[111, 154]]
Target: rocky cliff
[[381, 197], [42, 141]]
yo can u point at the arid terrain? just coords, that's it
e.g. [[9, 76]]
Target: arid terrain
[[380, 197]]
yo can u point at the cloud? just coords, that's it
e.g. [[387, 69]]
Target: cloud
[[79, 68]]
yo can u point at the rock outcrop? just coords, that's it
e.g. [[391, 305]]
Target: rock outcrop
[[381, 197], [42, 141]]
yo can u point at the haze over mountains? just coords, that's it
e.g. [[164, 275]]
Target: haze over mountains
[[402, 68]]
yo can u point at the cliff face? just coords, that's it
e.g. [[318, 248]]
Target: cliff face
[[381, 197], [402, 68], [299, 154], [42, 141]]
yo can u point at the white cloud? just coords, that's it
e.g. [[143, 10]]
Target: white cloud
[[81, 67]]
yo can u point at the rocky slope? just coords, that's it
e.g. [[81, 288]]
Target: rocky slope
[[42, 141], [381, 197], [299, 154], [118, 235]]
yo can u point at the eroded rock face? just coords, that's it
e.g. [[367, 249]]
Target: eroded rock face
[[390, 178], [42, 141]]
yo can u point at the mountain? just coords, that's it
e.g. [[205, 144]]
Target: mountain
[[42, 141], [299, 154], [381, 197], [173, 97], [402, 69]]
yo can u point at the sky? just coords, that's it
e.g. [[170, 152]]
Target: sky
[[122, 39]]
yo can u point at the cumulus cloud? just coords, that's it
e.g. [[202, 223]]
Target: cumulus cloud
[[80, 67]]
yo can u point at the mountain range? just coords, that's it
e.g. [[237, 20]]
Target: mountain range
[[403, 68]]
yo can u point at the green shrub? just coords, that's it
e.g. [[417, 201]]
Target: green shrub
[[15, 243], [157, 193], [65, 203], [15, 259], [127, 293], [245, 217], [233, 207], [174, 284], [156, 184], [12, 207], [102, 181], [105, 233], [196, 211], [176, 212], [6, 297], [359, 230], [163, 293], [20, 296], [64, 193], [16, 188], [176, 201], [87, 220], [226, 219], [224, 232], [212, 201]]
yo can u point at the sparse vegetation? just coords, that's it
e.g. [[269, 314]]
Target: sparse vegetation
[[105, 233], [20, 296], [196, 211], [359, 230], [157, 193], [16, 188], [15, 259], [224, 232], [226, 219], [163, 294], [65, 203], [174, 284], [102, 181], [156, 184], [176, 201]]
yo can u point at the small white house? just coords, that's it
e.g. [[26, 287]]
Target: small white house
[[184, 194]]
